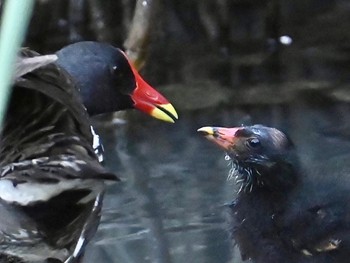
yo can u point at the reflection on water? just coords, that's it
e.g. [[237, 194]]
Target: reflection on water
[[170, 206]]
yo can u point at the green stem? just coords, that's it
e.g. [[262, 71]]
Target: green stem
[[14, 21]]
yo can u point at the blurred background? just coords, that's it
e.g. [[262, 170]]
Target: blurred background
[[283, 63]]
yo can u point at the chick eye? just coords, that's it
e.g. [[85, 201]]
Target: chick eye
[[253, 143]]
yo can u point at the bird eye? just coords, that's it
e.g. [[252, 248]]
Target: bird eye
[[253, 143], [116, 71]]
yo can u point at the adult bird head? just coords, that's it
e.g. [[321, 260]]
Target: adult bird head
[[262, 157], [108, 82]]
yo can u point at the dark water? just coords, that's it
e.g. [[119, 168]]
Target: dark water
[[170, 205]]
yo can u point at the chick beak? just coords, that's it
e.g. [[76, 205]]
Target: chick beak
[[150, 101], [223, 137]]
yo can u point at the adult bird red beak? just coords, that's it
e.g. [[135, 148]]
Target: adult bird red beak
[[224, 137], [150, 101]]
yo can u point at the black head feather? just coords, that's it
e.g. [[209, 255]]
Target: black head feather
[[102, 74]]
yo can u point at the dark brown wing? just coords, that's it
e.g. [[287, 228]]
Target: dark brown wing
[[47, 132]]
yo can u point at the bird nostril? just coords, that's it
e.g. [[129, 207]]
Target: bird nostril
[[216, 133]]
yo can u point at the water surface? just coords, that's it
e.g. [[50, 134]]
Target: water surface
[[170, 205]]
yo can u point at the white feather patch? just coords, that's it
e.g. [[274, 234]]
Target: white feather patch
[[26, 193]]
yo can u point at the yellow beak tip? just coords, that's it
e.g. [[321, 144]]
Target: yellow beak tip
[[170, 108], [165, 112], [206, 131]]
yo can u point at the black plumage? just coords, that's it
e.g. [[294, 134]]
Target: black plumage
[[51, 180], [283, 212], [109, 68]]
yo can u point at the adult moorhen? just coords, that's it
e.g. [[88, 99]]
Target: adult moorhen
[[51, 181], [282, 213], [108, 82]]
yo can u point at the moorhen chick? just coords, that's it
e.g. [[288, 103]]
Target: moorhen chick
[[282, 213], [51, 180]]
